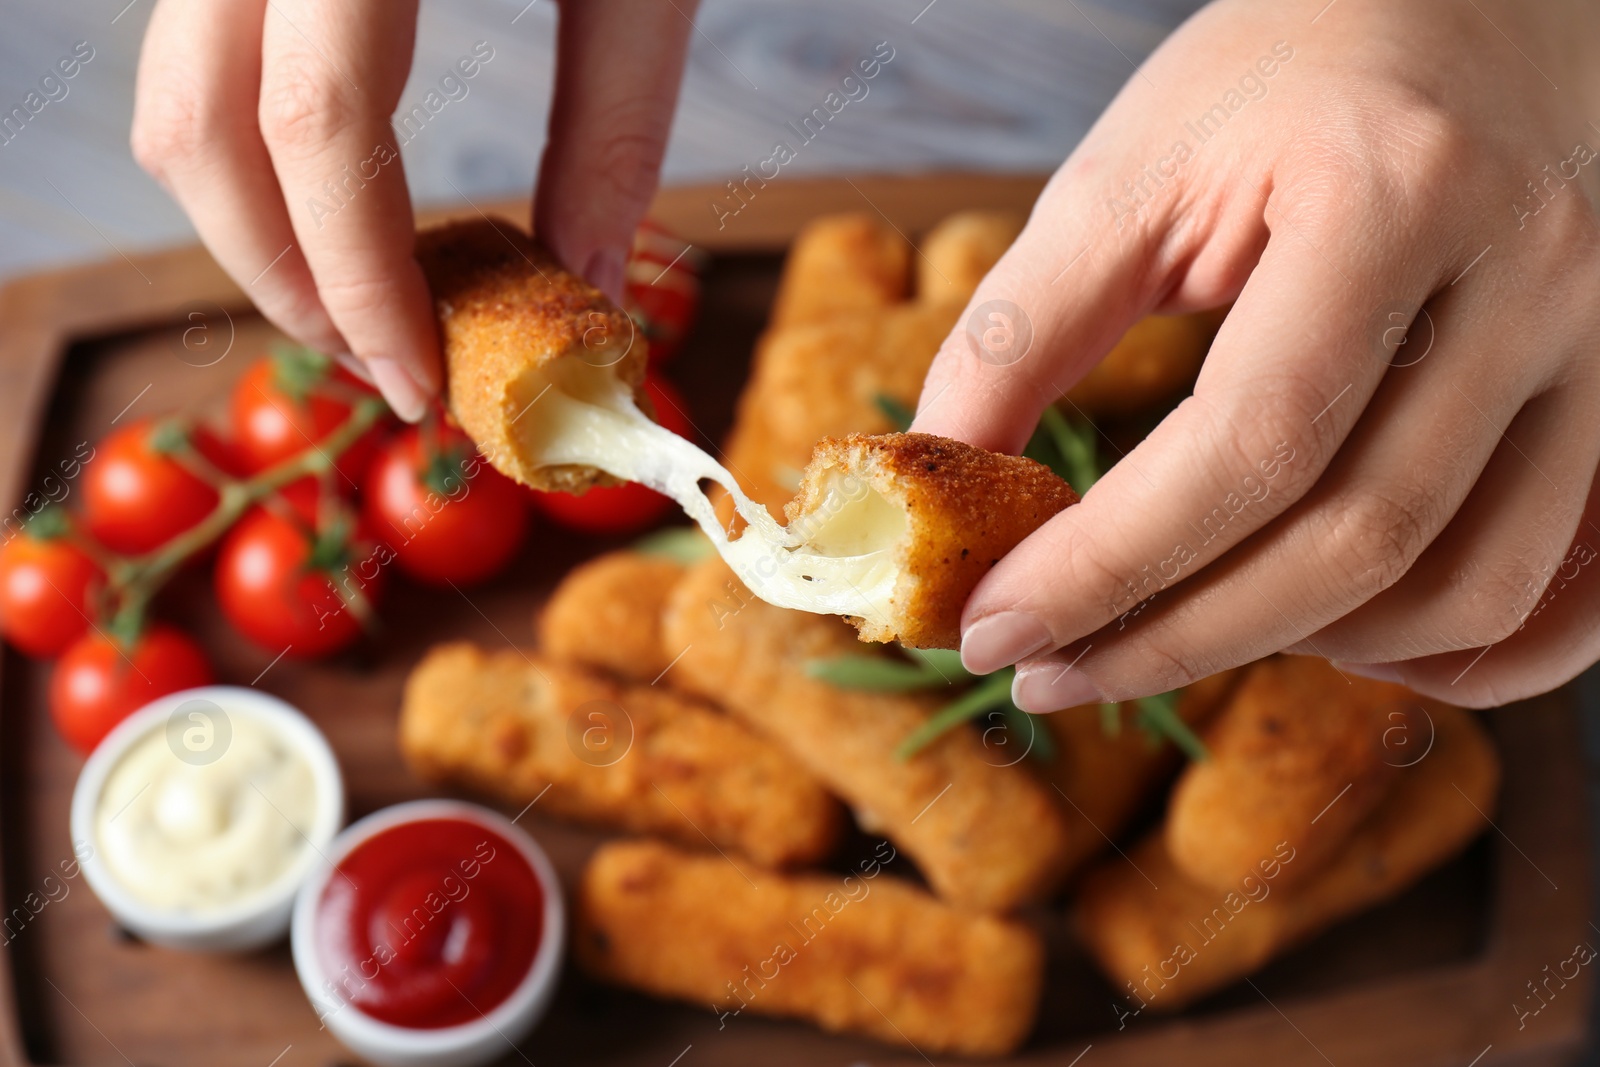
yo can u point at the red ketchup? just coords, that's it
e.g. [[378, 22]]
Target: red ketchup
[[430, 923]]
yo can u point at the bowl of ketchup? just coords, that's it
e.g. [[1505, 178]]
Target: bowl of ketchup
[[432, 936]]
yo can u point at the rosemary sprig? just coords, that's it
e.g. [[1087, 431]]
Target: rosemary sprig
[[991, 693], [1066, 447], [1158, 717], [898, 414]]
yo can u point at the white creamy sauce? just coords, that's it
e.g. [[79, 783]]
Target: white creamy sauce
[[841, 564], [196, 838]]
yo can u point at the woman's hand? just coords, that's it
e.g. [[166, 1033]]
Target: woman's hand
[[270, 124], [1419, 504]]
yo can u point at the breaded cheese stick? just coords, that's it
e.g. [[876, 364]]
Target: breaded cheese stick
[[957, 253], [1297, 755], [861, 953], [986, 836], [826, 379], [606, 614], [1159, 355], [941, 512], [1166, 947], [1105, 779], [841, 264], [636, 758], [512, 321]]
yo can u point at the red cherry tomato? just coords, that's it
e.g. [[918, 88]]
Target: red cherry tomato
[[661, 290], [448, 515], [285, 585], [284, 403], [97, 683], [622, 508], [136, 496], [46, 593]]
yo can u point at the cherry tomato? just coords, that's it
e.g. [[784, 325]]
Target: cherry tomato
[[136, 495], [284, 403], [47, 590], [616, 509], [284, 585], [449, 516], [661, 290], [97, 683]]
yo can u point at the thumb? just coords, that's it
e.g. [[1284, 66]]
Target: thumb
[[618, 68], [1053, 306]]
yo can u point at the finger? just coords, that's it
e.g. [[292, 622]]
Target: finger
[[194, 130], [619, 65], [1255, 436], [332, 75], [1559, 640], [1052, 307], [1480, 580], [1423, 446]]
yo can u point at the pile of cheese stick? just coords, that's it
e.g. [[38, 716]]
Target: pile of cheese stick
[[730, 771]]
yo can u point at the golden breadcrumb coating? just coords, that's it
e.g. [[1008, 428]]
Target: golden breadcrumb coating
[[1105, 779], [637, 758], [1166, 947], [840, 264], [1300, 753], [507, 313], [824, 380], [957, 253], [606, 614], [861, 953], [985, 833], [1159, 356], [965, 508]]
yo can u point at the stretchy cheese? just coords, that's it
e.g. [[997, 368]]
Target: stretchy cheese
[[553, 403]]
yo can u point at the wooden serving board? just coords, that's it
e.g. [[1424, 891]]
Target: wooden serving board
[[1431, 978]]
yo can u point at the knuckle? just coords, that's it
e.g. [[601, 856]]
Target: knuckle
[[356, 297], [1398, 145], [1083, 565], [626, 164], [1373, 539], [1503, 596], [1271, 426], [302, 105], [169, 128]]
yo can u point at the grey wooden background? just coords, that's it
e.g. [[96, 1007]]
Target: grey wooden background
[[997, 85], [1002, 85]]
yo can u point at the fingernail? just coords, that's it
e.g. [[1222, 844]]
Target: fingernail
[[999, 640], [604, 271], [1378, 672], [1043, 687], [408, 398]]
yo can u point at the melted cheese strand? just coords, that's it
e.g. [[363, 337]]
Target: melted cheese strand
[[605, 429]]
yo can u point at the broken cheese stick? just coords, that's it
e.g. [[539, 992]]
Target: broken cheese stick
[[1166, 947], [984, 831], [636, 758], [934, 513], [512, 320], [527, 384], [860, 953]]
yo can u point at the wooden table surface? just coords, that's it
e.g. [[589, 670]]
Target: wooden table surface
[[1004, 85]]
